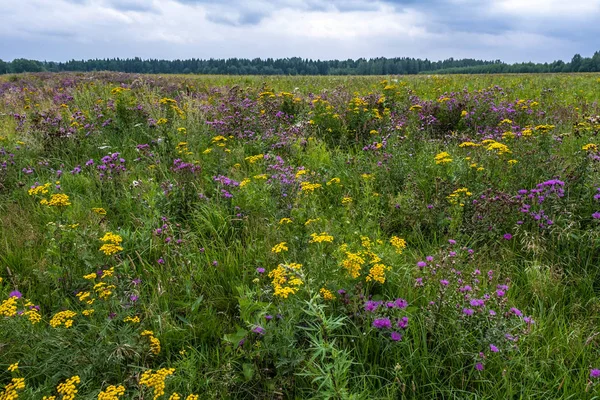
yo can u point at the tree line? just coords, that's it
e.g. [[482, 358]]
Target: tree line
[[301, 66]]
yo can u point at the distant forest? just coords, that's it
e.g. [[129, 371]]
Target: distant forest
[[301, 66]]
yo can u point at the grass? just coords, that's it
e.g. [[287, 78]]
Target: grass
[[200, 177]]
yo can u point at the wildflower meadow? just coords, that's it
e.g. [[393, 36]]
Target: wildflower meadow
[[205, 237]]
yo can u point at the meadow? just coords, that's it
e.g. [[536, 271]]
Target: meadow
[[212, 237]]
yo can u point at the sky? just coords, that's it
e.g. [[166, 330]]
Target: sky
[[509, 30]]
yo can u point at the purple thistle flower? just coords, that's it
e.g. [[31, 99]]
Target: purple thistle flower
[[479, 367], [160, 261], [468, 311], [382, 323], [444, 282], [595, 373], [402, 323], [260, 270], [421, 264], [259, 330], [507, 236], [494, 349], [15, 293], [596, 215], [396, 337]]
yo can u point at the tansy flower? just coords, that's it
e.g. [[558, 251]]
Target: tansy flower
[[13, 367], [278, 248]]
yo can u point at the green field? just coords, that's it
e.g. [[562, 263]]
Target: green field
[[399, 237]]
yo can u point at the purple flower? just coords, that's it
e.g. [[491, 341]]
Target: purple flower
[[507, 236], [494, 349], [400, 303], [160, 261], [259, 330], [421, 264], [402, 323], [396, 337], [382, 323], [133, 298], [260, 270], [371, 306], [595, 373], [596, 215], [479, 367], [516, 311], [452, 241], [477, 303], [15, 293], [268, 317], [468, 311], [429, 258], [215, 263], [444, 282]]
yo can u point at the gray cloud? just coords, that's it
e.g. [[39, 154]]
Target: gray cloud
[[511, 30]]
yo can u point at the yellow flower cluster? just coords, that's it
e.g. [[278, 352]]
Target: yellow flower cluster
[[10, 390], [68, 388], [41, 189], [112, 393], [253, 159], [85, 297], [322, 237], [112, 243], [175, 396], [57, 200], [133, 320], [103, 290], [353, 263], [309, 187], [285, 221], [286, 279], [156, 381], [544, 128], [442, 158], [154, 342], [311, 220], [13, 367], [458, 196], [63, 318], [498, 148], [398, 243], [469, 144], [244, 182], [346, 201], [33, 315], [336, 181], [590, 147], [278, 248], [327, 294], [8, 308], [377, 273]]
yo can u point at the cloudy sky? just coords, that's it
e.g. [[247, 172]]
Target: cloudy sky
[[510, 30]]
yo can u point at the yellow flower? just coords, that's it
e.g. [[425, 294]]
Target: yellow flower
[[90, 276], [311, 220], [68, 388], [353, 264], [333, 180], [154, 342], [377, 273], [463, 113], [8, 308], [326, 294], [162, 121], [512, 162], [13, 367], [63, 318], [590, 147], [134, 320], [10, 390], [285, 221], [301, 172], [367, 176], [309, 187], [319, 238], [469, 144], [278, 248], [87, 313], [398, 243], [346, 201], [156, 381], [58, 200], [442, 158], [286, 279], [111, 393], [41, 189], [253, 159]]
